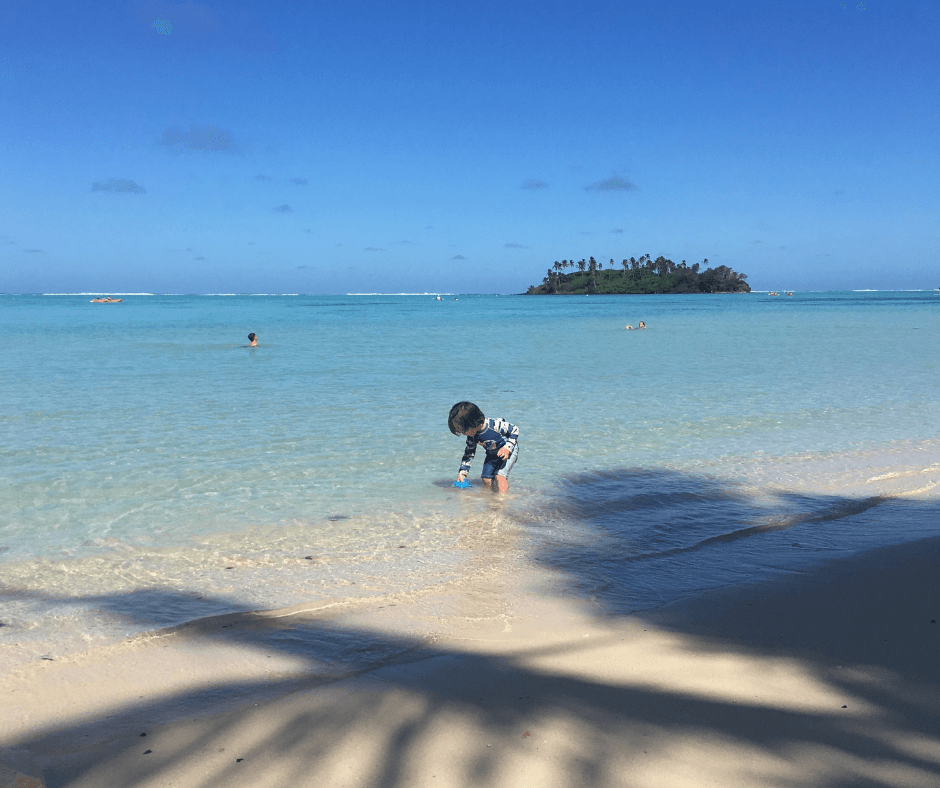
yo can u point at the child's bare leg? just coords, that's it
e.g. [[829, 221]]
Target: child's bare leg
[[488, 483], [502, 484]]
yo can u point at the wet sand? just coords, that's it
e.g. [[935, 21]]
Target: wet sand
[[819, 678]]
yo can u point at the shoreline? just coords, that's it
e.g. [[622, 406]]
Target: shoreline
[[812, 677], [62, 606]]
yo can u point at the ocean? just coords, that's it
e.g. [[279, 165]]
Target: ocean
[[156, 471]]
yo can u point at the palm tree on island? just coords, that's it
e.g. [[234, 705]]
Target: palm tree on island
[[643, 275]]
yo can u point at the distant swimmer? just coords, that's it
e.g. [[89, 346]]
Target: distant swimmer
[[642, 325], [253, 338], [628, 327]]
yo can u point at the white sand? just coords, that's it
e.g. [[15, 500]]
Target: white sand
[[828, 678]]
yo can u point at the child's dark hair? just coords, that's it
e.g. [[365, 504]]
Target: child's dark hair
[[251, 337], [465, 416]]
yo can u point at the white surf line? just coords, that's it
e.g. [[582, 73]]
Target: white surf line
[[920, 490], [892, 475], [899, 474], [211, 623]]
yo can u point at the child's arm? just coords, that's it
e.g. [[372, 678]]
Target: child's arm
[[511, 433], [469, 453]]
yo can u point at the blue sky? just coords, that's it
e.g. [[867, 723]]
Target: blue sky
[[415, 146]]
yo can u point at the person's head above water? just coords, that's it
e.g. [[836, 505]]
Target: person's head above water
[[465, 418], [642, 324], [253, 338]]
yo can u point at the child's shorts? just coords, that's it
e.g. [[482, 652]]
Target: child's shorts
[[493, 464]]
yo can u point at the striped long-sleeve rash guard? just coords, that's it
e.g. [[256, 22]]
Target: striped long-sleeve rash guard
[[495, 434]]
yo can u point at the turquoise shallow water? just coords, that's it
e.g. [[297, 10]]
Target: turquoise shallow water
[[145, 452]]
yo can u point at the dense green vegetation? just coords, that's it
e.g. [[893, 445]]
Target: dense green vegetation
[[639, 276]]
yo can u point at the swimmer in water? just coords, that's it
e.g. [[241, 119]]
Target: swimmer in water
[[642, 325], [253, 338]]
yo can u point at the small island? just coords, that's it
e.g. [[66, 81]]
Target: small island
[[643, 276]]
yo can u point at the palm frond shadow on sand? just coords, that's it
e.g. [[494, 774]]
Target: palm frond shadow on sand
[[864, 711]]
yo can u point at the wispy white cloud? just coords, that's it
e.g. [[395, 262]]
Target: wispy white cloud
[[616, 183], [118, 185], [166, 18], [202, 138], [272, 179]]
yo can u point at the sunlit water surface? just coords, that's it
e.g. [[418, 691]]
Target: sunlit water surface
[[155, 471]]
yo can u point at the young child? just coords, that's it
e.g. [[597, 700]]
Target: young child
[[497, 436]]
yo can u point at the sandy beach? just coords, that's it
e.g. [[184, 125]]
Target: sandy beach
[[820, 678]]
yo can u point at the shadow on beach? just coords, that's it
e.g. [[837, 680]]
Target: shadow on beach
[[823, 675]]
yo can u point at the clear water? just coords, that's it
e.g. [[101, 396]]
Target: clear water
[[154, 471]]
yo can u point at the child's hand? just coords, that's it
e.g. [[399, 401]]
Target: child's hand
[[504, 452]]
